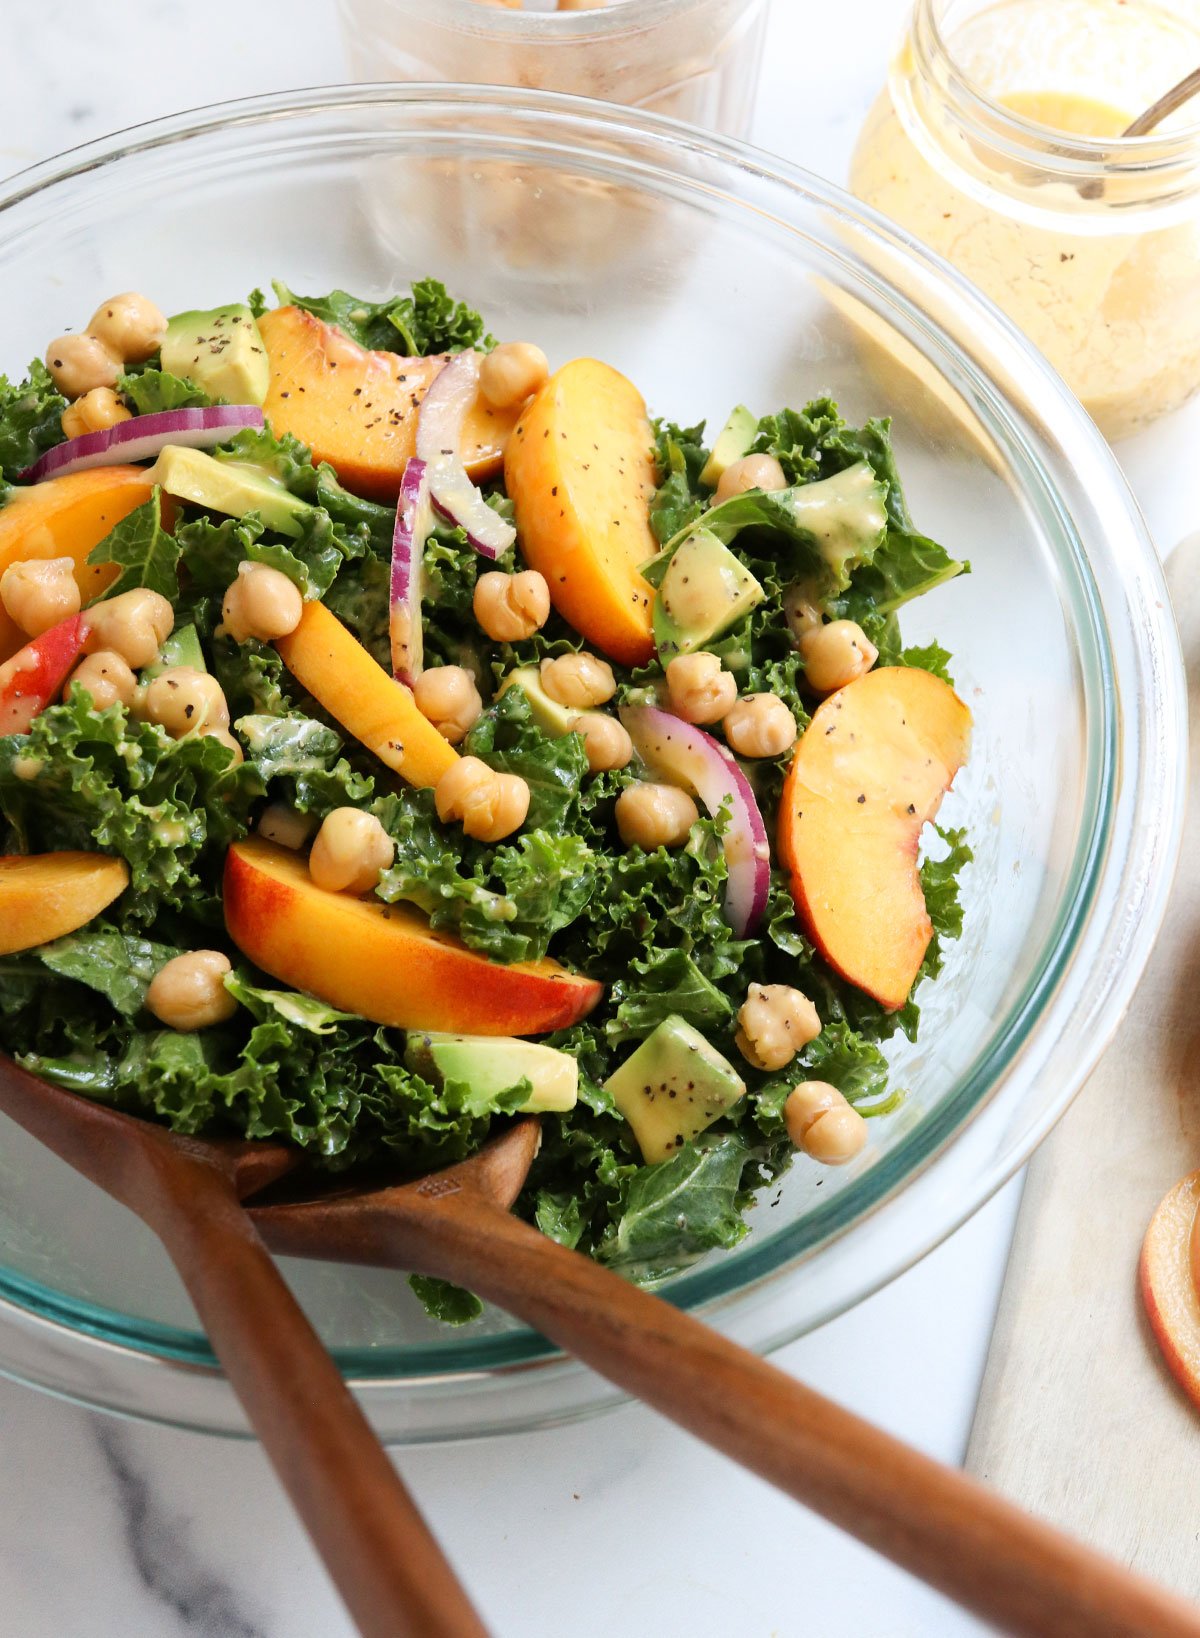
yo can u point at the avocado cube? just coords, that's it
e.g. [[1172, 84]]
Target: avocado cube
[[703, 591], [673, 1087], [236, 488], [182, 647], [221, 351], [492, 1064], [551, 717], [733, 441]]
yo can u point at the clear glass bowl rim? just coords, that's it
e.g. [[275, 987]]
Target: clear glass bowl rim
[[1154, 841]]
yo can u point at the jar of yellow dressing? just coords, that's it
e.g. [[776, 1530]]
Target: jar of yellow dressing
[[997, 142]]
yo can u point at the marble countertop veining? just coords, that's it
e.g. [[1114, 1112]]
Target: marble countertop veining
[[115, 1530]]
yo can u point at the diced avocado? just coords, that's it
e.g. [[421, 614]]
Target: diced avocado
[[492, 1064], [221, 351], [234, 487], [182, 647], [845, 515], [733, 441], [702, 592], [551, 717], [673, 1087]]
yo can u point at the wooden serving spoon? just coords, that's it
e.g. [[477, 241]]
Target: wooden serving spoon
[[377, 1548], [934, 1521]]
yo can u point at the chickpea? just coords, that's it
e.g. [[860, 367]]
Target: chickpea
[[822, 1123], [512, 373], [800, 612], [96, 411], [106, 677], [350, 850], [39, 592], [836, 654], [135, 624], [605, 740], [698, 688], [285, 826], [751, 472], [447, 697], [490, 805], [77, 364], [760, 725], [650, 816], [185, 701], [262, 603], [131, 325], [225, 738], [511, 607], [776, 1021], [579, 680], [189, 992]]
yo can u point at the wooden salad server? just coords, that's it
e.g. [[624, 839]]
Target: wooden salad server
[[377, 1548], [975, 1547]]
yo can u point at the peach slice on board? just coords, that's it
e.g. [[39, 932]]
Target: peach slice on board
[[1168, 1274], [868, 774], [44, 896], [580, 471], [384, 961]]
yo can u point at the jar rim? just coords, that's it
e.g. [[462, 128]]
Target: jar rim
[[997, 150], [984, 117]]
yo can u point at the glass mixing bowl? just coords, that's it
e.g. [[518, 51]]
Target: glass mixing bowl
[[711, 274]]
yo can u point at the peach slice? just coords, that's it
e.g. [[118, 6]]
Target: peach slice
[[384, 961], [869, 773], [379, 711], [44, 896], [1167, 1273], [34, 676], [66, 517], [357, 409], [581, 474]]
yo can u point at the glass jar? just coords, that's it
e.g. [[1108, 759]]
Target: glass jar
[[696, 60], [996, 142]]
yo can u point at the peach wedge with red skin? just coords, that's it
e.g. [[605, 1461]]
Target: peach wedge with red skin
[[384, 961], [33, 678], [44, 896], [1167, 1273], [868, 774]]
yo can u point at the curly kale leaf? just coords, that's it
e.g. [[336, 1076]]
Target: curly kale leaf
[[427, 320], [30, 419], [169, 807], [145, 553]]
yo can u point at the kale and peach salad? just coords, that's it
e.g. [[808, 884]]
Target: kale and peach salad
[[397, 735]]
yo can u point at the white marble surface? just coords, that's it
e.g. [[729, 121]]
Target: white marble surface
[[113, 1530]]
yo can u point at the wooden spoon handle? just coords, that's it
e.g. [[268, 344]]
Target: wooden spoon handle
[[376, 1546], [932, 1520]]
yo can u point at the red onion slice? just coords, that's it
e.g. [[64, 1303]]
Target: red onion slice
[[439, 437], [687, 756], [414, 519], [142, 437]]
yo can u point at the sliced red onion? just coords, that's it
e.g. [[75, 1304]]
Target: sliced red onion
[[687, 756], [414, 519], [439, 437], [142, 437]]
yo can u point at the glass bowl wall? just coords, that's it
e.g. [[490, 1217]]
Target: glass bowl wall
[[710, 274]]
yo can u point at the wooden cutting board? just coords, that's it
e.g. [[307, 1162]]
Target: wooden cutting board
[[1079, 1419]]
